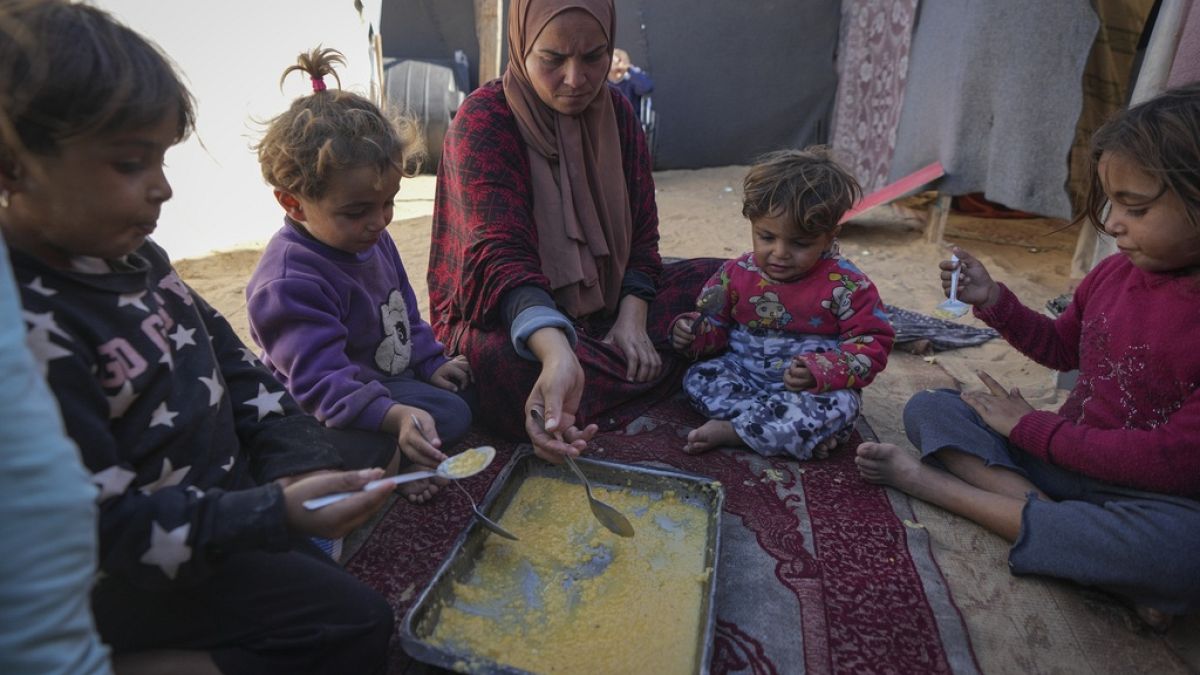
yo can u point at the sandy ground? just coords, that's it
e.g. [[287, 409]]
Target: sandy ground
[[1017, 625]]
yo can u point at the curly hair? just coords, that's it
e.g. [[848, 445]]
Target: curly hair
[[1162, 137], [331, 130], [807, 186], [70, 71]]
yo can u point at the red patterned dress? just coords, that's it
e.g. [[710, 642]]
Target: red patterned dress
[[485, 244]]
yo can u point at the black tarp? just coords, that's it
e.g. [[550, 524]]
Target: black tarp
[[733, 78]]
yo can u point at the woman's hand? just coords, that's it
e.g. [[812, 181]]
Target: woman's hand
[[419, 442], [556, 394], [335, 520], [1000, 409], [453, 375], [798, 377], [682, 335], [553, 445], [975, 285], [628, 333]]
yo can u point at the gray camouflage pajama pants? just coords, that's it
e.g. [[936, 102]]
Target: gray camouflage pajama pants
[[745, 386]]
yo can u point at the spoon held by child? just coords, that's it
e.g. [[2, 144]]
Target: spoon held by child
[[483, 520], [463, 465], [952, 308]]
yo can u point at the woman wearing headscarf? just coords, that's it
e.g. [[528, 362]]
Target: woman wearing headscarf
[[544, 268]]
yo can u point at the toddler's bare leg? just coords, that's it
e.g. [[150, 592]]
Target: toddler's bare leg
[[894, 466], [712, 434]]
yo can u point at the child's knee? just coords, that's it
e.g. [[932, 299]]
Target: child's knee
[[926, 407], [930, 404], [453, 419], [929, 400]]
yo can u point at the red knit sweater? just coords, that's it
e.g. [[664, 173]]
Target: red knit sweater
[[1133, 418]]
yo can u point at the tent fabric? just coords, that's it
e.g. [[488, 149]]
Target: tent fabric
[[1186, 67], [1106, 80], [733, 80], [872, 69], [994, 93]]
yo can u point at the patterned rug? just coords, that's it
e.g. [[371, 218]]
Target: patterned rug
[[820, 572]]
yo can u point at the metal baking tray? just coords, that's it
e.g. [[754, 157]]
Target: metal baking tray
[[422, 618]]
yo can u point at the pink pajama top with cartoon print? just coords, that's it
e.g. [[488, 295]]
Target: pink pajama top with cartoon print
[[834, 299]]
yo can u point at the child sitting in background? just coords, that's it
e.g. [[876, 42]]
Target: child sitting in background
[[330, 303], [630, 80], [1104, 491], [800, 329], [201, 459]]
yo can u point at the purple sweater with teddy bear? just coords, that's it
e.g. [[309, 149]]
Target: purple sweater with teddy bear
[[333, 324]]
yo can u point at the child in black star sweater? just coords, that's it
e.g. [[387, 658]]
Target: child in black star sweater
[[201, 459]]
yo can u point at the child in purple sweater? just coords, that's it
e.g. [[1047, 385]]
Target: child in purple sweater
[[1105, 491], [330, 303]]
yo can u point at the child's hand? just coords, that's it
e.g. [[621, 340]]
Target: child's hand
[[975, 285], [1000, 409], [418, 437], [335, 520], [453, 375], [798, 377], [681, 330]]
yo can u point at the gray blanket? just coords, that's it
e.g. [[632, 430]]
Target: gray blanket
[[994, 92]]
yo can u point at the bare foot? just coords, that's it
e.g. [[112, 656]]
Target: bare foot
[[822, 451], [1158, 621], [419, 491], [712, 434], [889, 465], [920, 347]]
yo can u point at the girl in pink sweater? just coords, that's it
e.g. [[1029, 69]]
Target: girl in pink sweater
[[1104, 491]]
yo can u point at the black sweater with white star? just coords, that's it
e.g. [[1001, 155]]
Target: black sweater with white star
[[183, 430]]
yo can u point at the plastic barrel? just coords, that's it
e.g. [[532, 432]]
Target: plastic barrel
[[429, 90]]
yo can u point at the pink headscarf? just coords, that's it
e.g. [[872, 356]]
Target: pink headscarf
[[580, 198]]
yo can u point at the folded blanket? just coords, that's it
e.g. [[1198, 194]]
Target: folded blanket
[[941, 334]]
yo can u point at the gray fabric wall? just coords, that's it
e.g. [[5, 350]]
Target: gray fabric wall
[[733, 78], [994, 93]]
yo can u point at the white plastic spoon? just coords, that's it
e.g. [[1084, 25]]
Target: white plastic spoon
[[952, 308]]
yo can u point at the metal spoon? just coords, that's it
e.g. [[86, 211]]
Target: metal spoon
[[463, 465], [952, 308], [483, 520], [607, 515]]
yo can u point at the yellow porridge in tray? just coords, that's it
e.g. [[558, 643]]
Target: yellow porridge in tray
[[571, 597]]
